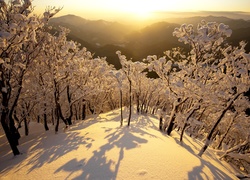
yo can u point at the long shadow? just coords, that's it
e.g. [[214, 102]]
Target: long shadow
[[190, 146], [63, 144], [71, 166], [39, 151], [198, 174], [8, 160], [124, 138], [99, 166], [185, 145]]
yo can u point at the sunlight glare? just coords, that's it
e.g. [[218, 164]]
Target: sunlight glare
[[137, 9]]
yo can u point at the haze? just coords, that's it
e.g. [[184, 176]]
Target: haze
[[142, 11]]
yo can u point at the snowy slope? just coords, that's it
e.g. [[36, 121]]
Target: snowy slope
[[98, 148]]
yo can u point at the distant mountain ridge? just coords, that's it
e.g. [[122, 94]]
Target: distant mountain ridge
[[233, 23], [229, 14], [104, 38], [99, 32]]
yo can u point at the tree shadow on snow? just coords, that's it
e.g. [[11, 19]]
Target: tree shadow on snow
[[145, 122], [39, 149], [99, 166], [198, 174], [194, 146], [63, 144]]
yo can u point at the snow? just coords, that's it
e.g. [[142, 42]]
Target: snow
[[98, 148]]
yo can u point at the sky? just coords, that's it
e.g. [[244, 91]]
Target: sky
[[137, 9]]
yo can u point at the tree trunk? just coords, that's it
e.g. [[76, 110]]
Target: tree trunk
[[7, 111], [170, 126], [69, 119], [52, 117], [92, 110], [83, 111], [77, 112], [60, 115], [57, 120], [11, 136], [58, 111], [130, 102], [137, 104], [26, 126], [8, 124], [228, 128], [45, 122], [172, 116], [209, 136], [121, 107], [13, 129], [45, 118], [186, 120], [161, 123]]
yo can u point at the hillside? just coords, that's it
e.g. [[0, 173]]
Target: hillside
[[98, 33], [153, 40], [104, 38], [98, 148]]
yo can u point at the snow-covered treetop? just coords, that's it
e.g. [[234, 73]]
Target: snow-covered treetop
[[205, 41]]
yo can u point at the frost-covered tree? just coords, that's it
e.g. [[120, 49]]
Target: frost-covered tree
[[134, 72], [101, 82], [20, 44], [209, 81], [64, 60], [139, 78], [119, 79], [126, 68], [214, 66], [174, 86]]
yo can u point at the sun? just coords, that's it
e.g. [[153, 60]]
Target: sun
[[141, 13], [137, 9]]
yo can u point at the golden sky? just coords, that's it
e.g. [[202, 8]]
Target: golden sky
[[137, 9]]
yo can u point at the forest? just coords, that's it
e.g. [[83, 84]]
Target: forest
[[204, 92]]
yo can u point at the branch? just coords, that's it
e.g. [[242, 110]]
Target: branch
[[236, 147]]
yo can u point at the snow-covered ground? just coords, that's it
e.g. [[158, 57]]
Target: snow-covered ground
[[98, 148]]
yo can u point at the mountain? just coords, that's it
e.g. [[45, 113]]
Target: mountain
[[166, 16], [152, 40], [98, 32], [104, 38], [109, 51], [233, 23]]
